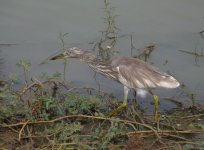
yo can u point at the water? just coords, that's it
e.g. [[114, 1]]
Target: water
[[34, 27]]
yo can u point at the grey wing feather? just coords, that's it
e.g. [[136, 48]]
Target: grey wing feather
[[135, 73]]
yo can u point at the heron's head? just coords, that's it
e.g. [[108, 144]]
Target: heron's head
[[73, 52]]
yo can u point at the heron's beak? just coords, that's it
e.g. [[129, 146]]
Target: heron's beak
[[60, 56]]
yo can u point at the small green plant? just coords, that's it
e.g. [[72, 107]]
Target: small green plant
[[109, 36], [44, 76], [190, 95], [14, 78], [63, 48], [25, 64], [8, 106], [80, 104], [114, 131]]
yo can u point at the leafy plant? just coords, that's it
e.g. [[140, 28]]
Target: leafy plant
[[25, 64], [8, 106], [75, 104]]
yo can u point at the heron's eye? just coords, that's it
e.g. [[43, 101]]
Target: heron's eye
[[66, 53], [73, 48]]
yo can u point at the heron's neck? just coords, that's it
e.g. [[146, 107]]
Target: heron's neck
[[88, 57], [93, 61], [99, 65]]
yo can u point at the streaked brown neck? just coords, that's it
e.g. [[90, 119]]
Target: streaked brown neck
[[98, 65]]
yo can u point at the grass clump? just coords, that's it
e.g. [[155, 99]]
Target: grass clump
[[48, 115], [7, 105]]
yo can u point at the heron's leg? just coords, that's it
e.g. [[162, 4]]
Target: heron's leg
[[156, 105], [115, 111]]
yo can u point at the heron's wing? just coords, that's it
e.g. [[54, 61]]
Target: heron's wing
[[135, 73]]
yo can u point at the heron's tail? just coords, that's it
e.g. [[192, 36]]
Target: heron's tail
[[169, 82]]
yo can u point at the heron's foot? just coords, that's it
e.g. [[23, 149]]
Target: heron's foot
[[156, 106], [115, 111]]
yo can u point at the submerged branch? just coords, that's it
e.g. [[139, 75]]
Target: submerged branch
[[192, 53]]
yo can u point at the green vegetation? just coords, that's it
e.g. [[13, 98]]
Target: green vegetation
[[105, 47], [46, 114]]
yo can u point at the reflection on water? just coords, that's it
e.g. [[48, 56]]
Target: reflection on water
[[119, 26]]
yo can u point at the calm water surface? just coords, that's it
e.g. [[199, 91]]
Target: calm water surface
[[34, 26]]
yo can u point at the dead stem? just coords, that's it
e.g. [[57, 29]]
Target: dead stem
[[83, 116], [158, 134], [192, 53], [20, 133], [201, 34], [167, 132], [146, 51], [192, 116], [175, 101]]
